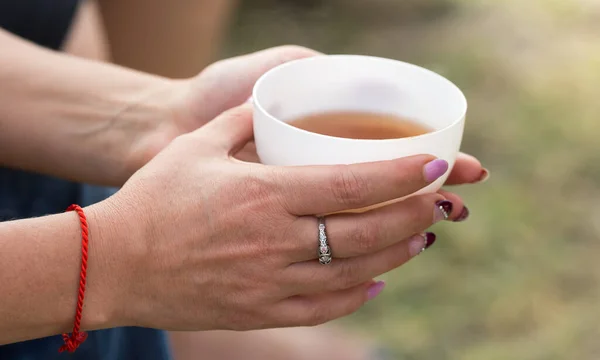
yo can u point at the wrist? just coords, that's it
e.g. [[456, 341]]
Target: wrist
[[149, 124], [108, 280]]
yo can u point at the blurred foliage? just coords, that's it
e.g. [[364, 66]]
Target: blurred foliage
[[520, 279]]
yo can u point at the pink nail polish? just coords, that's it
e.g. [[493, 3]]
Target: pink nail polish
[[434, 169], [417, 244], [375, 289], [420, 243]]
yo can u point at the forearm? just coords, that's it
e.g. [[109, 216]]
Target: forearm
[[40, 261], [70, 117]]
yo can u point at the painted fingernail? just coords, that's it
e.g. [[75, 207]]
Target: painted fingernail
[[429, 239], [417, 244], [421, 243], [464, 215], [483, 177], [434, 169], [375, 290], [442, 210]]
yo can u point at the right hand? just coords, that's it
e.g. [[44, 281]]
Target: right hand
[[211, 242]]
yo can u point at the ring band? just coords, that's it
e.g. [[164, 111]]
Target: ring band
[[324, 249]]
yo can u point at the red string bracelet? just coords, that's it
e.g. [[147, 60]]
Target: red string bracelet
[[77, 338]]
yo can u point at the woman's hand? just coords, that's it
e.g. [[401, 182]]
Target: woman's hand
[[192, 103], [211, 242], [467, 170]]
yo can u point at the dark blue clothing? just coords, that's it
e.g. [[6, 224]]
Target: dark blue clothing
[[24, 195]]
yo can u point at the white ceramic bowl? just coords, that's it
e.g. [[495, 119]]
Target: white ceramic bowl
[[355, 83]]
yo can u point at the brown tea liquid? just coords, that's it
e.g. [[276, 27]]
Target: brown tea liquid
[[360, 125]]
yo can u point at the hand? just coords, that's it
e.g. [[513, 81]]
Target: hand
[[191, 103], [467, 170], [211, 242]]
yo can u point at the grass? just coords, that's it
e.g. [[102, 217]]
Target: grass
[[520, 279]]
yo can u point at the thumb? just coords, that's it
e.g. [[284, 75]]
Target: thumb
[[232, 80], [231, 130]]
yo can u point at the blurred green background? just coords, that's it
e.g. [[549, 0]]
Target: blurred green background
[[520, 279]]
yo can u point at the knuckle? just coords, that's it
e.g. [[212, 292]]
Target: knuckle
[[256, 188], [365, 237], [349, 188], [285, 187], [348, 274], [259, 189], [257, 199], [295, 239]]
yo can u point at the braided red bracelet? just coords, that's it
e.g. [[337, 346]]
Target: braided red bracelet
[[77, 338]]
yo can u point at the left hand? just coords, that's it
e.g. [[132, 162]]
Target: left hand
[[191, 103]]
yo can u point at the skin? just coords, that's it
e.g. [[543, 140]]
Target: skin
[[183, 184]]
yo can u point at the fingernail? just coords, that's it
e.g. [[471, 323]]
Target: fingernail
[[442, 210], [250, 100], [417, 244], [464, 215], [429, 239], [421, 243], [375, 290], [483, 177], [434, 169]]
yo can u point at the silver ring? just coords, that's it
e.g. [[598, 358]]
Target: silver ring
[[324, 249]]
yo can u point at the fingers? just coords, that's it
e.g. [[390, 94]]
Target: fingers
[[351, 235], [319, 309], [249, 68], [230, 131], [327, 189], [467, 170], [310, 277], [459, 211], [235, 77]]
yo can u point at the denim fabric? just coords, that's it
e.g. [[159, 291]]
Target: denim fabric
[[24, 195]]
